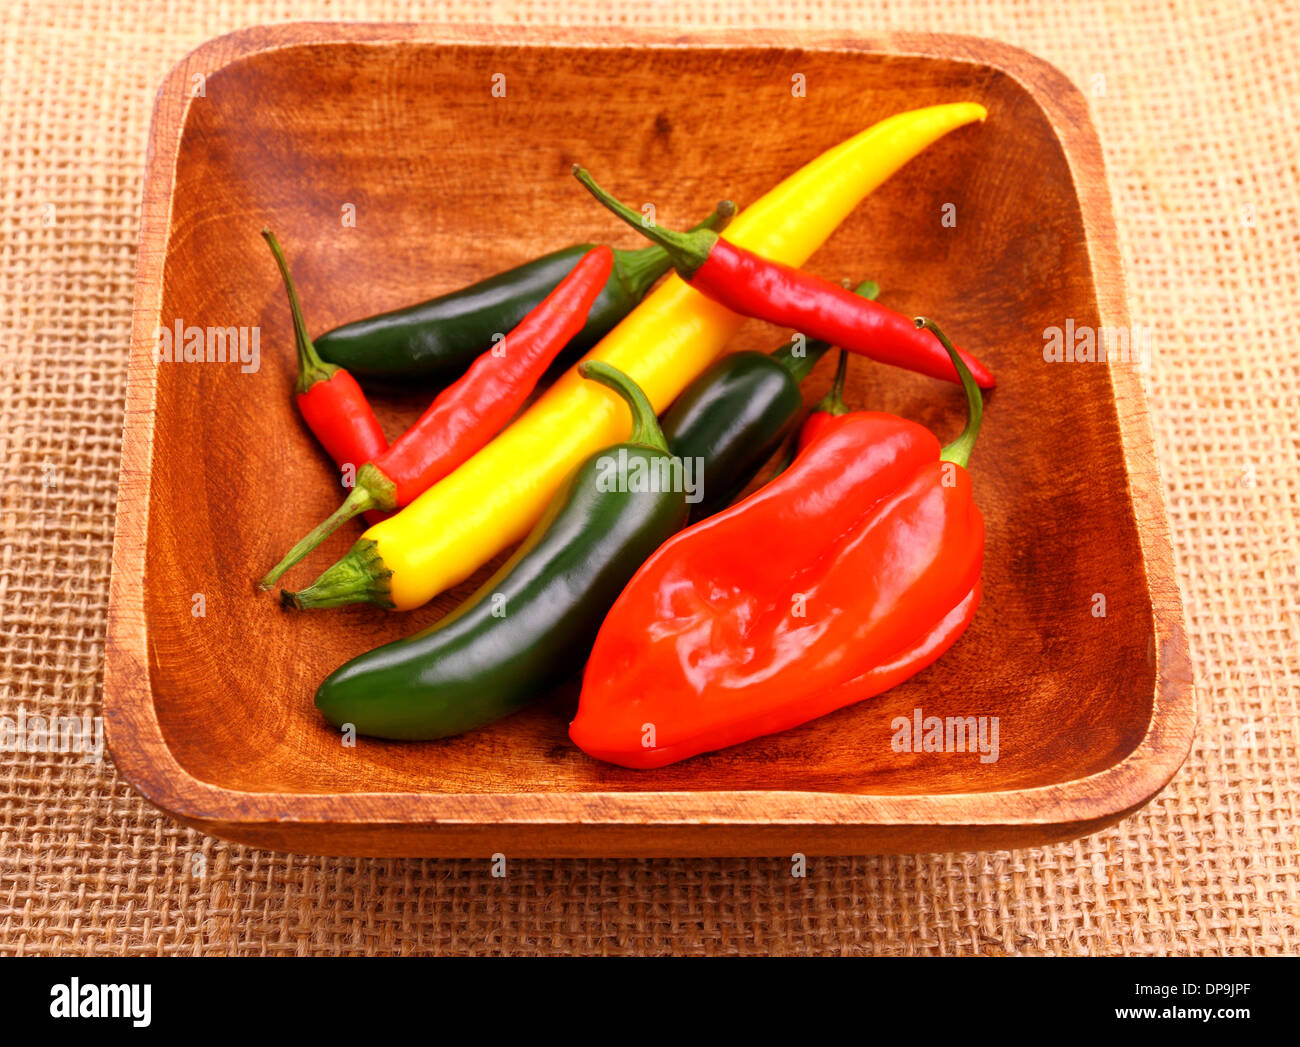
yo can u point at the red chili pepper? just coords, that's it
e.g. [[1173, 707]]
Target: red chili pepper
[[468, 413], [752, 286], [328, 397], [850, 572]]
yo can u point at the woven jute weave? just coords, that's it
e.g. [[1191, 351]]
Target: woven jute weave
[[1196, 108]]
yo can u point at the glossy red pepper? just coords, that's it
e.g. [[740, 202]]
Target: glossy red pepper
[[850, 572], [468, 413], [754, 286], [328, 397]]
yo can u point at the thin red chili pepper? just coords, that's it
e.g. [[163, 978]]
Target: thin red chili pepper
[[751, 285], [468, 413], [328, 397]]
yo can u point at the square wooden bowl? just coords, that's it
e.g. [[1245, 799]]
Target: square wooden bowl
[[208, 688]]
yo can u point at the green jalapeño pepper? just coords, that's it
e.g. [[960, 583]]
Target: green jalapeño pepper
[[436, 340], [737, 412], [531, 625]]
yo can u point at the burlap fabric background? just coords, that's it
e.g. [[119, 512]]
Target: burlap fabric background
[[1196, 106]]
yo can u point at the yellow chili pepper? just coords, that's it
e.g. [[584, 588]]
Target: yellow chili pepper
[[495, 497]]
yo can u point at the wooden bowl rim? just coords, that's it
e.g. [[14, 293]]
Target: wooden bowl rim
[[131, 723]]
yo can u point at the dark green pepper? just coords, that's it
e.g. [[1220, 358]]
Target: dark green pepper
[[737, 413], [532, 624], [437, 340]]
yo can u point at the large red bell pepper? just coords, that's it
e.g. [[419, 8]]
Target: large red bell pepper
[[853, 570]]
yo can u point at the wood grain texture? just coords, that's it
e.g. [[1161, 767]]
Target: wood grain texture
[[212, 717]]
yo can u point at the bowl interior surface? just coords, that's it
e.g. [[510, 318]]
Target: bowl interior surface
[[450, 182]]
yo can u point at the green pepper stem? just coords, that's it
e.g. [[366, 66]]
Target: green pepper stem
[[360, 577], [800, 366], [868, 289], [719, 219], [959, 450], [311, 368], [687, 251], [638, 270], [373, 490], [645, 426]]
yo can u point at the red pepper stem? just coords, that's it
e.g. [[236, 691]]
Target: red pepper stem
[[687, 251], [638, 270], [959, 450], [311, 368], [833, 402], [373, 490], [645, 426]]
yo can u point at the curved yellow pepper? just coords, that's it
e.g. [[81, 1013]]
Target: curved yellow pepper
[[494, 498]]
